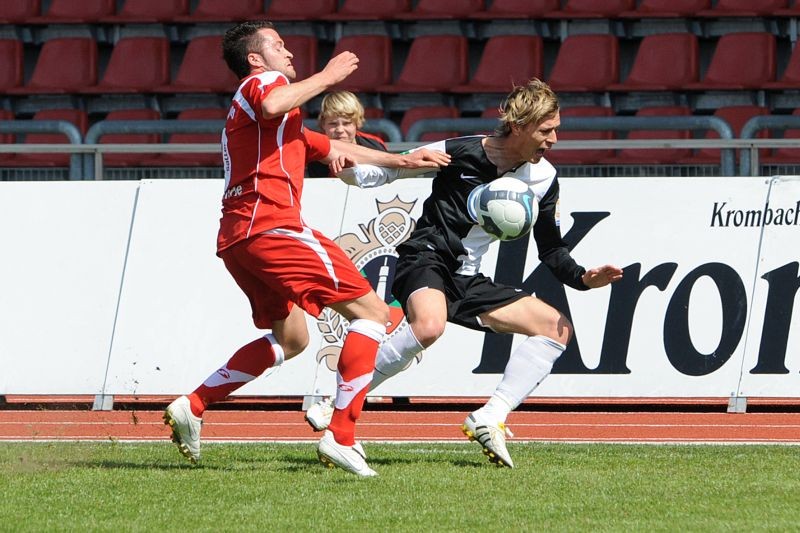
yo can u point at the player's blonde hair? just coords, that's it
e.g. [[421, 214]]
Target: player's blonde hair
[[530, 103], [341, 104]]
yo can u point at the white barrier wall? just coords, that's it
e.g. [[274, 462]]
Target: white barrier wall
[[114, 288]]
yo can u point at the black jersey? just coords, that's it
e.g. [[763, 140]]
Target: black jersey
[[446, 227]]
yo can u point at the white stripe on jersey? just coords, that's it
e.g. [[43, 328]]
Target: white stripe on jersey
[[475, 244], [279, 140], [244, 105], [539, 176], [255, 183], [307, 237], [226, 159]]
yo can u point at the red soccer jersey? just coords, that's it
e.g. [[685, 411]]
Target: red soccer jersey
[[264, 161]]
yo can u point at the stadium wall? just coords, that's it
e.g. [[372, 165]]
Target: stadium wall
[[114, 288]]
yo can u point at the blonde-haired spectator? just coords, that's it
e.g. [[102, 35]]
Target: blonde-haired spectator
[[341, 117]]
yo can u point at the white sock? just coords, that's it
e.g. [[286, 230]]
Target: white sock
[[394, 355], [527, 367]]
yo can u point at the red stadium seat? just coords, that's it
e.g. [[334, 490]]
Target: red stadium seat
[[193, 159], [677, 50], [736, 117], [129, 159], [790, 78], [150, 11], [223, 11], [19, 11], [416, 114], [523, 59], [654, 156], [64, 65], [743, 8], [517, 9], [424, 70], [305, 10], [375, 112], [70, 11], [443, 9], [666, 9], [11, 60], [374, 61], [592, 9], [741, 61], [785, 156], [791, 11], [370, 10], [75, 116], [582, 157], [203, 70], [305, 49], [586, 63], [137, 64]]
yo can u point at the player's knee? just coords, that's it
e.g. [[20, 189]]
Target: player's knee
[[294, 345], [428, 330]]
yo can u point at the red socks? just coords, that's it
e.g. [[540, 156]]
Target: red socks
[[249, 362], [356, 363]]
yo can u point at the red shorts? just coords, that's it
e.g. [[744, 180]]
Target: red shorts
[[282, 267]]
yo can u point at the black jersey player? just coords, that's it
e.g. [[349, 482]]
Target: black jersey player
[[438, 280]]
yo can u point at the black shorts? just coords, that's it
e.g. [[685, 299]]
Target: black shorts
[[467, 296]]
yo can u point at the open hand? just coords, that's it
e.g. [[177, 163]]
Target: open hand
[[601, 276]]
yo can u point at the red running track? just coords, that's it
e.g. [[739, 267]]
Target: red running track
[[288, 425]]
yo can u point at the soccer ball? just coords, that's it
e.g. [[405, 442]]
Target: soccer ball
[[505, 208]]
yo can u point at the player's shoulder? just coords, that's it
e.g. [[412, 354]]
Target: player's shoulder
[[271, 77], [543, 171], [458, 146], [257, 82]]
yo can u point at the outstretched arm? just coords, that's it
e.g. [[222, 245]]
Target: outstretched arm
[[344, 154], [364, 167]]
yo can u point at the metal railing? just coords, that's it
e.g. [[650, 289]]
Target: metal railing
[[373, 125], [748, 159], [94, 166], [466, 125], [87, 157], [48, 126]]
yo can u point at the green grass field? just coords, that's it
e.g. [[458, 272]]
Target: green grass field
[[421, 487]]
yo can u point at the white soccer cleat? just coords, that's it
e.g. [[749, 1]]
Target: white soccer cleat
[[185, 428], [350, 458], [491, 436], [319, 415]]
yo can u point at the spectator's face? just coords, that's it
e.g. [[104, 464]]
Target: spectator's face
[[340, 128], [271, 55]]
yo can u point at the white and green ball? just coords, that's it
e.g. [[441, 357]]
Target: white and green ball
[[505, 208]]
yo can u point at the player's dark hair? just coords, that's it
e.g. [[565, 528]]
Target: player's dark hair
[[240, 41]]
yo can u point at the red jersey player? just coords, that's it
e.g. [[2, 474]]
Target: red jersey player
[[283, 266]]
